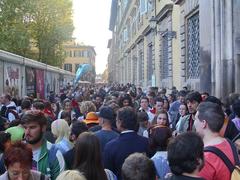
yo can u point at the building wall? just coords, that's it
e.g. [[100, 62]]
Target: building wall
[[139, 58], [219, 36], [203, 55], [176, 66], [187, 10], [83, 55]]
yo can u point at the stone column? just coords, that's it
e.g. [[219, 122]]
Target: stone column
[[205, 45], [227, 47], [236, 25], [217, 47]]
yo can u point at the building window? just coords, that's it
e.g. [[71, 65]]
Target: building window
[[164, 64], [89, 54], [125, 2], [143, 6], [74, 53], [70, 53], [84, 53], [149, 64], [67, 53], [150, 6], [68, 67], [193, 47], [125, 35], [134, 62], [141, 66]]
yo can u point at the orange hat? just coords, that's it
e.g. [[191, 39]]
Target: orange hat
[[91, 118]]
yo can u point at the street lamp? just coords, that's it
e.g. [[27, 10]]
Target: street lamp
[[153, 26]]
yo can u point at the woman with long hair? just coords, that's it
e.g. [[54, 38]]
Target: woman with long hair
[[125, 100], [160, 119], [88, 158], [159, 137], [61, 131]]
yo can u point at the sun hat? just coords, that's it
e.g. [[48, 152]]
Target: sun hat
[[91, 118]]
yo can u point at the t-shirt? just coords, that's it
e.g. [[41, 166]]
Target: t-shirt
[[215, 168], [182, 177], [105, 136], [161, 163], [36, 154]]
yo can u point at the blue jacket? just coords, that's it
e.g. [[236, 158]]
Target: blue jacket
[[117, 150]]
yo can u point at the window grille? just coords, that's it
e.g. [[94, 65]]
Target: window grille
[[149, 64], [164, 64], [141, 65], [68, 67], [193, 47]]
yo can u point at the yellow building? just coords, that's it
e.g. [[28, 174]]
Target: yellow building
[[77, 54], [145, 46]]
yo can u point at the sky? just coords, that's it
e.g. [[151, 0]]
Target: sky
[[91, 22]]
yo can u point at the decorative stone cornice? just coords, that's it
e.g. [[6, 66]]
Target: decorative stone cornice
[[164, 11], [139, 39], [147, 30], [177, 1]]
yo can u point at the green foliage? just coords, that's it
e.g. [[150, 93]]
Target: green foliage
[[36, 28], [14, 33]]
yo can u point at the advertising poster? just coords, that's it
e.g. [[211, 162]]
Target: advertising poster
[[61, 80], [40, 83], [30, 82], [1, 77], [12, 79], [55, 82], [48, 82]]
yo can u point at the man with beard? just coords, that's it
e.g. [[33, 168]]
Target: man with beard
[[46, 157], [193, 99]]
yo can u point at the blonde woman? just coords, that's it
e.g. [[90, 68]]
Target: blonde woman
[[71, 174], [61, 132]]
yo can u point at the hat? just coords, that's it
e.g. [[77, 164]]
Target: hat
[[106, 112], [16, 132], [91, 118]]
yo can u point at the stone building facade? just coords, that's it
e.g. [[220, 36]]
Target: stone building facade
[[196, 43]]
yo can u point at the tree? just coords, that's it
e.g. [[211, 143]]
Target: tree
[[52, 25], [14, 33], [36, 28]]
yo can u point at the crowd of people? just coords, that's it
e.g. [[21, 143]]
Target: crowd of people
[[120, 132]]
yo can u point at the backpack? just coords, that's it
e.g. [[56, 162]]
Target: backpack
[[233, 168]]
